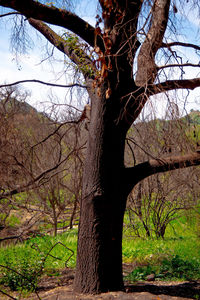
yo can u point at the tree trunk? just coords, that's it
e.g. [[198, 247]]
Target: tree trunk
[[73, 213], [99, 257]]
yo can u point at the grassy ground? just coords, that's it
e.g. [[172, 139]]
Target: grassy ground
[[176, 257], [181, 239]]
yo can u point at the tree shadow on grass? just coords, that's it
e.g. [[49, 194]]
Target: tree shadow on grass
[[185, 290]]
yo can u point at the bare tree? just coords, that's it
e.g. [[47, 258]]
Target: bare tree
[[155, 202], [128, 35], [41, 157], [158, 200], [59, 195]]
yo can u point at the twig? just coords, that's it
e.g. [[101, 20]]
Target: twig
[[45, 83]]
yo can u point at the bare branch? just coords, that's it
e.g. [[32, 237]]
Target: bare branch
[[178, 66], [4, 293], [53, 15], [9, 14], [36, 181], [78, 55], [52, 133], [169, 85], [43, 82], [169, 45]]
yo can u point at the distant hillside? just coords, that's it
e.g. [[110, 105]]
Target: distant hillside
[[193, 117], [13, 105], [162, 137]]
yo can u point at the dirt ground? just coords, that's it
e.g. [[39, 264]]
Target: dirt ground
[[61, 288], [137, 292]]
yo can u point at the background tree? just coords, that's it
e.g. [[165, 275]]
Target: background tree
[[40, 157], [128, 35], [154, 203]]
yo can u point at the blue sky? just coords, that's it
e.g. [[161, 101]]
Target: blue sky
[[28, 66]]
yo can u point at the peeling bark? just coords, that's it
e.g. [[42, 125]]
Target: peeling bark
[[147, 69]]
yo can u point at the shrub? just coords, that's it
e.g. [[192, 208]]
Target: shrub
[[21, 273], [170, 268], [180, 269], [140, 273]]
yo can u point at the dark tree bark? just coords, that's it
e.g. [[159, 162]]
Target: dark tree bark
[[103, 203], [116, 101]]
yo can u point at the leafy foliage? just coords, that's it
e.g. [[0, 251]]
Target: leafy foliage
[[170, 268], [21, 272], [22, 265]]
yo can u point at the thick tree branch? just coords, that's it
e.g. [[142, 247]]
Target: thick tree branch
[[147, 70], [53, 15], [169, 85], [77, 55], [154, 166]]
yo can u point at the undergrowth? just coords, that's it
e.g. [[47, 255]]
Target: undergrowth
[[22, 265], [175, 258], [170, 268]]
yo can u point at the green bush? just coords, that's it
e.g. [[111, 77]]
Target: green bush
[[140, 273], [12, 221], [21, 272], [22, 265], [170, 268], [180, 269]]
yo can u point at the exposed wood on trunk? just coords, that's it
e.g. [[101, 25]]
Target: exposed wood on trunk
[[147, 70]]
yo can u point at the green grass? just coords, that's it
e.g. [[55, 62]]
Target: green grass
[[169, 268], [54, 251], [176, 257], [181, 239], [22, 265], [146, 251], [181, 245]]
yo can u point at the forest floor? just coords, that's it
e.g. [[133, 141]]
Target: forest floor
[[61, 288]]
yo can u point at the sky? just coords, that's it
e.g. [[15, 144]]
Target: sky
[[28, 66]]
